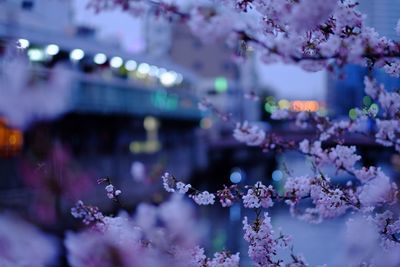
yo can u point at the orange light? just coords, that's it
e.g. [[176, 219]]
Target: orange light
[[300, 105], [11, 140]]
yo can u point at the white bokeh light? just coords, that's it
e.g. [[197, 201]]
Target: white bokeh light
[[144, 68], [23, 43], [76, 54], [168, 78], [130, 65], [36, 54], [52, 49], [100, 58], [116, 62]]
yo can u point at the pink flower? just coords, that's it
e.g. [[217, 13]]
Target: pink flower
[[169, 182], [258, 196], [344, 157], [22, 101], [223, 259], [297, 187], [388, 131], [377, 191], [308, 14], [250, 135], [203, 198], [21, 244]]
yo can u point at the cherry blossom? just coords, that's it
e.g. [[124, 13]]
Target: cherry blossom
[[223, 259], [388, 132], [169, 182], [228, 195], [88, 214], [250, 135], [154, 236], [22, 244], [344, 157], [258, 196], [112, 192], [262, 243], [388, 228], [377, 191], [23, 101], [203, 198], [312, 34], [297, 187], [182, 188]]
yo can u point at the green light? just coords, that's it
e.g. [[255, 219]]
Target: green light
[[367, 101], [221, 84], [269, 107], [374, 109], [353, 114]]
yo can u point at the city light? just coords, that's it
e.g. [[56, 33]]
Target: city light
[[23, 43], [52, 49], [100, 58], [284, 104], [143, 68], [353, 114], [270, 107], [36, 54], [138, 171], [116, 62], [130, 65], [168, 78], [153, 71], [277, 175], [299, 105], [296, 105], [150, 123], [236, 176], [76, 54], [206, 123], [220, 84]]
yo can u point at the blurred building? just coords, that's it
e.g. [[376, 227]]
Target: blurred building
[[122, 108], [383, 15]]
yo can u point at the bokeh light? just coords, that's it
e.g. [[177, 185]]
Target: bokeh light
[[220, 84], [76, 54]]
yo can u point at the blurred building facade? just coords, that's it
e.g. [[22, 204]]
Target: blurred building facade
[[122, 108]]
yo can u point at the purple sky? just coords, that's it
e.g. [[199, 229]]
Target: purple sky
[[114, 25]]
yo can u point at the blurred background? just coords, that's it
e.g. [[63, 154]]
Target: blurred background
[[130, 112]]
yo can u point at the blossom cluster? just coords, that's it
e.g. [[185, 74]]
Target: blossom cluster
[[22, 244], [154, 236], [112, 192], [172, 185], [89, 214], [372, 189], [263, 245], [315, 34], [251, 135], [24, 100], [258, 196]]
